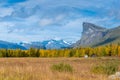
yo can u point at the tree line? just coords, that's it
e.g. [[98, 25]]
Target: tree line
[[108, 50]]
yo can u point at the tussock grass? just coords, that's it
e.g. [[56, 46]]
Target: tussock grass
[[107, 68], [62, 67]]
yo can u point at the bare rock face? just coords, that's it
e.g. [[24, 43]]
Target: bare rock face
[[94, 35], [91, 34], [116, 76]]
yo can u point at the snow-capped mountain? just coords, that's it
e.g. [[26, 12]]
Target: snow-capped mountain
[[48, 44], [10, 45]]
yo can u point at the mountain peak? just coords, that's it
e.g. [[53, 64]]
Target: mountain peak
[[91, 34], [89, 26], [94, 35]]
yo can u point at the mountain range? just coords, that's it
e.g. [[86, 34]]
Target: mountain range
[[9, 45], [48, 44], [94, 35]]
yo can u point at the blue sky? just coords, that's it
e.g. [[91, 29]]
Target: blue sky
[[38, 20]]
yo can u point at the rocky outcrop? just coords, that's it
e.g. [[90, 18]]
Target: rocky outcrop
[[94, 35], [116, 76], [91, 34]]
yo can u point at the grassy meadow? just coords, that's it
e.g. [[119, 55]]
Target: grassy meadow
[[45, 68]]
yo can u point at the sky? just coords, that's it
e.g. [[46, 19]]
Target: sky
[[39, 20]]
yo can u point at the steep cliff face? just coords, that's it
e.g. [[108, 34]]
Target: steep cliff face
[[91, 34], [94, 35]]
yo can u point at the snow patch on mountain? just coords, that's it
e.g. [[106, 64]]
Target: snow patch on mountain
[[48, 44]]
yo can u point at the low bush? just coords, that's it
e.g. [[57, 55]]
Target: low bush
[[106, 68], [62, 67]]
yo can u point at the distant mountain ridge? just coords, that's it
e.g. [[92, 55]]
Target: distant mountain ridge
[[94, 35], [9, 45], [47, 44]]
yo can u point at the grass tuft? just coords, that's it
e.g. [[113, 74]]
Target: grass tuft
[[62, 67], [107, 68]]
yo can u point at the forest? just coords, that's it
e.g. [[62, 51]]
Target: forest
[[108, 50]]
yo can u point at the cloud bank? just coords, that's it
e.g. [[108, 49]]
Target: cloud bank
[[37, 20]]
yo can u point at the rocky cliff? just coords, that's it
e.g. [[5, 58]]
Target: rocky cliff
[[94, 35]]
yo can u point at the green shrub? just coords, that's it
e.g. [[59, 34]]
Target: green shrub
[[62, 67], [106, 68]]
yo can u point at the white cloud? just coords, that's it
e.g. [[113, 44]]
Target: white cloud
[[46, 22], [5, 26], [60, 17], [5, 12]]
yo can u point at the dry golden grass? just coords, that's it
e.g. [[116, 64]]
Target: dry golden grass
[[39, 68]]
